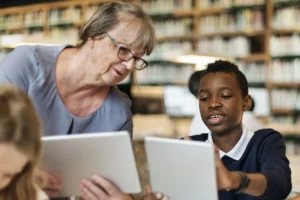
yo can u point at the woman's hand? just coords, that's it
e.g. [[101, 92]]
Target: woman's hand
[[225, 178], [99, 188], [49, 183]]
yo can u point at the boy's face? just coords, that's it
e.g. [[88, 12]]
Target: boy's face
[[221, 102]]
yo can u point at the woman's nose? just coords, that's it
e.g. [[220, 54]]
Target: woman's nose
[[129, 64]]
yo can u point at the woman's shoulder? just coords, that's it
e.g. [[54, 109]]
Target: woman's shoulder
[[119, 98]]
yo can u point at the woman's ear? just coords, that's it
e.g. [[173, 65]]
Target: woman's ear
[[247, 103]]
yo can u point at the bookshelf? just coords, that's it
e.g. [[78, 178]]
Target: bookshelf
[[261, 36]]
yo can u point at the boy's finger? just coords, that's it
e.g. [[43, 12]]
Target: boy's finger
[[148, 189], [187, 138]]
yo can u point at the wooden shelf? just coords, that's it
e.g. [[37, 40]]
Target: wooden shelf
[[71, 23], [211, 11], [255, 57], [283, 85], [283, 111], [287, 57], [179, 37], [286, 30], [233, 34], [285, 129], [184, 13], [147, 91]]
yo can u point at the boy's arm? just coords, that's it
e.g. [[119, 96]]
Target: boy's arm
[[274, 180], [275, 167]]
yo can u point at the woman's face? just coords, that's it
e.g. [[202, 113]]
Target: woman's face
[[12, 163], [107, 66]]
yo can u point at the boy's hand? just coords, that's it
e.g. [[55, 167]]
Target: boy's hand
[[225, 178], [153, 196]]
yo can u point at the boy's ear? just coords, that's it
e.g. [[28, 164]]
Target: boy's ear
[[247, 103]]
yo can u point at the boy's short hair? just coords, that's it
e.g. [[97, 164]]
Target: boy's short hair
[[194, 82], [228, 67]]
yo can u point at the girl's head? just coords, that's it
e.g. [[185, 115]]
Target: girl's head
[[20, 144]]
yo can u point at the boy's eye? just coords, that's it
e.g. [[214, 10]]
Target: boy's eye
[[226, 96], [203, 98]]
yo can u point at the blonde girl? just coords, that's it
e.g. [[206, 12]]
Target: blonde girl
[[20, 146]]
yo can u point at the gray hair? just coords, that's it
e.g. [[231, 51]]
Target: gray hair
[[106, 18]]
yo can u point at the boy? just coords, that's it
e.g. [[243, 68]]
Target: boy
[[249, 165], [197, 125]]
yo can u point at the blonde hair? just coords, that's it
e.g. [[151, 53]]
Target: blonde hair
[[20, 127], [107, 17]]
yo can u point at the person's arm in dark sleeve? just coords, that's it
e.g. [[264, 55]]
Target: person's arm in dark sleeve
[[275, 167]]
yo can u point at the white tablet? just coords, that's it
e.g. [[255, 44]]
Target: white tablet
[[73, 157], [181, 169]]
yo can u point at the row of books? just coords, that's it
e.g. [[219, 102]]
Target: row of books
[[233, 47], [34, 18], [60, 34], [165, 73], [10, 21], [173, 27], [228, 3], [256, 72], [285, 45], [170, 50], [286, 17], [285, 70], [166, 6], [292, 147], [65, 15], [243, 20], [285, 99]]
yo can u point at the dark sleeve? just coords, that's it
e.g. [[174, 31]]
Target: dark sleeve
[[275, 167], [17, 68]]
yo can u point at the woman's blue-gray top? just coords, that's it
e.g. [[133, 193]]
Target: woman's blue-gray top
[[32, 69]]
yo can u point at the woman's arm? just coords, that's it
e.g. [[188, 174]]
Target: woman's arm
[[18, 69]]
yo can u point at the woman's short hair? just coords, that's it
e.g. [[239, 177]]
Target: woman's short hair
[[107, 17], [20, 127]]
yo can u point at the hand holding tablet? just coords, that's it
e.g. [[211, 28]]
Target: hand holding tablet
[[73, 158]]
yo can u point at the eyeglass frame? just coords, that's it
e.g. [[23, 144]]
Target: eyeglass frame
[[124, 48]]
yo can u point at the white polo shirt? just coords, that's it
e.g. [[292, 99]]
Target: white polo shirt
[[238, 150]]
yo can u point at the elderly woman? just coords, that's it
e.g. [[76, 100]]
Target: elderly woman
[[74, 88]]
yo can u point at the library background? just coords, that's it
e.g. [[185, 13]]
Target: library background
[[261, 36]]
